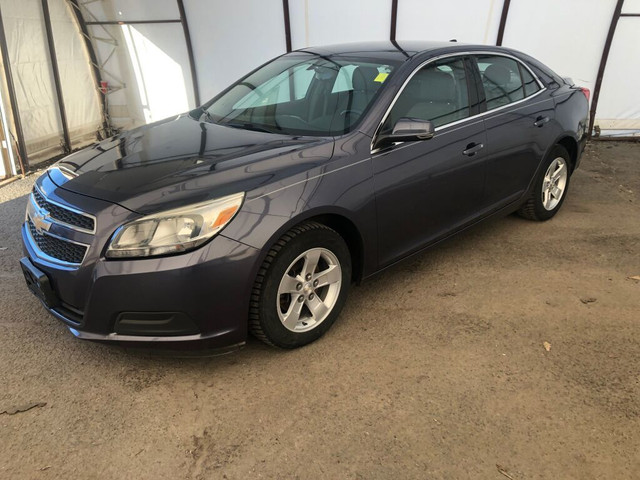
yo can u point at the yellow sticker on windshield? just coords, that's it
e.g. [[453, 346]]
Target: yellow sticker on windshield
[[381, 77]]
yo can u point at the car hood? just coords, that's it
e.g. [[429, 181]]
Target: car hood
[[181, 160]]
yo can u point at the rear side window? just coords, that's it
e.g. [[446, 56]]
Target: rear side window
[[530, 84], [501, 80], [438, 93]]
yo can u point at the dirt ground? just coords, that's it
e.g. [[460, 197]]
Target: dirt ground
[[436, 368]]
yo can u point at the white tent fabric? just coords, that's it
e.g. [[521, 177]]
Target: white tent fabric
[[79, 92], [323, 22], [232, 38], [146, 66], [161, 67], [7, 158], [557, 39], [467, 21], [33, 77]]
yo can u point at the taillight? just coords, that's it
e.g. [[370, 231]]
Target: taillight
[[587, 92]]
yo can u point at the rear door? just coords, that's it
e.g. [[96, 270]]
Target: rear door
[[427, 189], [519, 125]]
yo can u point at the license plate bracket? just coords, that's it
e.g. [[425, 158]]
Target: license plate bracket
[[39, 283]]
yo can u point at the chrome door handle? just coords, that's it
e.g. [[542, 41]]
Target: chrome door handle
[[472, 149], [540, 121]]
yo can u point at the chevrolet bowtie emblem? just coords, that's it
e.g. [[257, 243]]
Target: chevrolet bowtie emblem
[[39, 217], [41, 222]]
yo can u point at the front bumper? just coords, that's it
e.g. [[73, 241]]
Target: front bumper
[[201, 296]]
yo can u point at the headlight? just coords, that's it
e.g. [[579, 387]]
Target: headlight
[[174, 231]]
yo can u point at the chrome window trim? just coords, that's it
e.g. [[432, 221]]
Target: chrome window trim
[[472, 117], [40, 254], [71, 209], [478, 119]]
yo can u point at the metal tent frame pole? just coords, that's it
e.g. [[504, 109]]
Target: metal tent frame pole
[[133, 22], [503, 22], [97, 77], [603, 63], [192, 62], [287, 24], [56, 76], [22, 149], [394, 21]]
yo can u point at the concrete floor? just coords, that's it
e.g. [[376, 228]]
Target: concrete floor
[[436, 369]]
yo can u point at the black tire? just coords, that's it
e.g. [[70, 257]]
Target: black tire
[[533, 208], [264, 320]]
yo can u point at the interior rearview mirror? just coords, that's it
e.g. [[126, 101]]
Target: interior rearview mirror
[[407, 130]]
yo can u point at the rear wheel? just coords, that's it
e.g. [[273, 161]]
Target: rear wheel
[[550, 188], [301, 286]]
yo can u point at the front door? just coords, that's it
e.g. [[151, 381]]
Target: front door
[[425, 190]]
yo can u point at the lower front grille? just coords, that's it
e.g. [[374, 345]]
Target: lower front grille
[[57, 248]]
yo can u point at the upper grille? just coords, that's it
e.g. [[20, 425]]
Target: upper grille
[[56, 248], [62, 214]]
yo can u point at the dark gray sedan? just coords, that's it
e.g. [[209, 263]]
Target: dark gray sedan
[[257, 211]]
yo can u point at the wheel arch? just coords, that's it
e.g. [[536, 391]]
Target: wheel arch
[[335, 219], [352, 237], [571, 145]]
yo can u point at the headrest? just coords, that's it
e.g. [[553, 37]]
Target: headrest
[[325, 74], [433, 85], [363, 79], [497, 74]]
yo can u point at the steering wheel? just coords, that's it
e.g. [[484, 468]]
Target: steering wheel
[[350, 111], [292, 121]]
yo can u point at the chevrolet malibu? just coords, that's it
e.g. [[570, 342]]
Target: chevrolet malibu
[[257, 211]]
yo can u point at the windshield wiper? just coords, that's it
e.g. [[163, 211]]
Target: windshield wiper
[[253, 126]]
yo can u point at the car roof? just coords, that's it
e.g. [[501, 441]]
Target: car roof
[[403, 50]]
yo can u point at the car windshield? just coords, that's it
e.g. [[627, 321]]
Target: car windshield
[[300, 94]]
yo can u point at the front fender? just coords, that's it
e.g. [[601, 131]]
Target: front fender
[[342, 188]]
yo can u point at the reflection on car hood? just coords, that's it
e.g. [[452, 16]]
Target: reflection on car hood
[[180, 160]]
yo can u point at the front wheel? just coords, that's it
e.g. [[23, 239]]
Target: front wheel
[[301, 286], [550, 187]]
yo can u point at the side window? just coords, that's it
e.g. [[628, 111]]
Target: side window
[[530, 85], [501, 80], [438, 93]]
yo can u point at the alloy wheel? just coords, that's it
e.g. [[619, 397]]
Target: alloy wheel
[[309, 290], [554, 183]]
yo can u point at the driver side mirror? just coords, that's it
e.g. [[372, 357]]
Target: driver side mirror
[[407, 130]]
